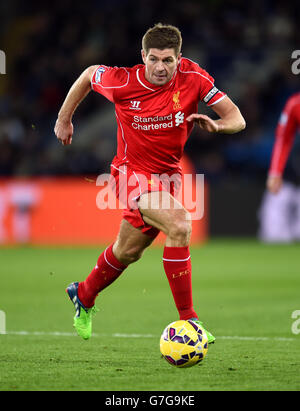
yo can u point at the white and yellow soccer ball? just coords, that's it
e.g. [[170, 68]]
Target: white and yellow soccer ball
[[183, 343]]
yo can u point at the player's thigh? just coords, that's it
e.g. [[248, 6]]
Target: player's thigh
[[130, 243], [163, 211]]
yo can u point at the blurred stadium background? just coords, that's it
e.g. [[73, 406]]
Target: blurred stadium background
[[246, 46]]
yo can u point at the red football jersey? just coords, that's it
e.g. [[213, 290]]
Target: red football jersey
[[152, 126], [285, 134]]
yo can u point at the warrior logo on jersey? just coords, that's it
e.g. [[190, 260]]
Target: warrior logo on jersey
[[99, 73], [210, 94], [135, 105], [176, 105]]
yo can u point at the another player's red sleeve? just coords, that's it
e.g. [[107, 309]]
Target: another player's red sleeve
[[284, 138], [107, 80]]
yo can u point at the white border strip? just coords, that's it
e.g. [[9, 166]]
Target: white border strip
[[120, 335], [185, 259], [140, 81], [217, 101], [123, 137], [105, 258]]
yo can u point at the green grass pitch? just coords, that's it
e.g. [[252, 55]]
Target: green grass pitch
[[245, 293]]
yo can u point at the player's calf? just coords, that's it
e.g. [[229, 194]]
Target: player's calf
[[127, 255]]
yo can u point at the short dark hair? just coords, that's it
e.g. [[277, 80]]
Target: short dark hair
[[162, 36]]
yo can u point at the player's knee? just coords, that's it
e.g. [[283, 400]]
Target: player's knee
[[181, 229]]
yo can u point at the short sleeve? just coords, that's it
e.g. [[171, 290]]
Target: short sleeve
[[209, 93], [203, 81], [108, 80]]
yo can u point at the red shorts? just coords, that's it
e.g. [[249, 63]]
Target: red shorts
[[129, 185]]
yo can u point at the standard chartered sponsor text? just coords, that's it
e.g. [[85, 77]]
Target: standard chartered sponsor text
[[153, 123]]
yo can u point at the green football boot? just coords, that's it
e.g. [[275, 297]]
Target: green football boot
[[83, 315], [211, 339]]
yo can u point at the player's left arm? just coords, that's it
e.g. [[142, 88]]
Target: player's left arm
[[231, 120]]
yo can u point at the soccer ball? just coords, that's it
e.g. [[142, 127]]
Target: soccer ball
[[183, 343]]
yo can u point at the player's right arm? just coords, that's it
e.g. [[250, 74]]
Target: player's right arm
[[64, 128]]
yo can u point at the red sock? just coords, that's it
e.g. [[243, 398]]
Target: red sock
[[178, 268], [107, 270]]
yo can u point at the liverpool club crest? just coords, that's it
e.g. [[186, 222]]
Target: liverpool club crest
[[176, 101]]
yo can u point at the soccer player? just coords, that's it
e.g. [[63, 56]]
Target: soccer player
[[288, 124], [279, 212], [156, 106]]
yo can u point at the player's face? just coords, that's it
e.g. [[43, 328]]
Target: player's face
[[160, 65]]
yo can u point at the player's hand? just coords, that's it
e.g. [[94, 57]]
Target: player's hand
[[274, 184], [204, 122], [64, 131]]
